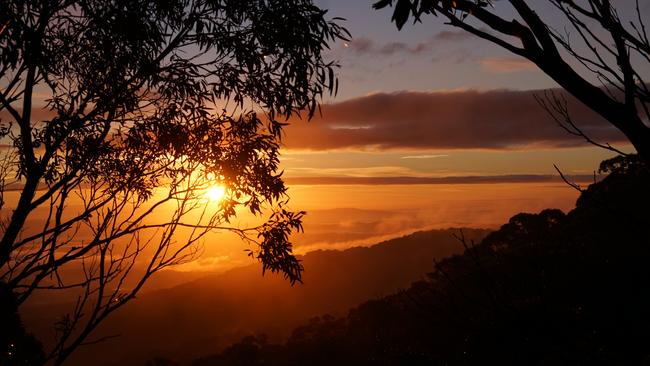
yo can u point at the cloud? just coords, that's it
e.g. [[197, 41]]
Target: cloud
[[341, 228], [504, 65], [367, 46], [452, 36], [457, 119], [351, 127], [356, 172], [206, 264], [425, 156], [469, 119], [458, 35]]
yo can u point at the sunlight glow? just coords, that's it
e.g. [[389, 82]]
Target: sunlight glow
[[215, 193]]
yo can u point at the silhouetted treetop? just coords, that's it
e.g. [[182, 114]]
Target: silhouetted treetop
[[17, 347], [623, 165], [119, 115]]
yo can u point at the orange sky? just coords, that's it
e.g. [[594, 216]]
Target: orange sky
[[427, 102], [340, 216]]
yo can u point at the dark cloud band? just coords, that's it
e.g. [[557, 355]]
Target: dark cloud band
[[499, 119], [484, 179]]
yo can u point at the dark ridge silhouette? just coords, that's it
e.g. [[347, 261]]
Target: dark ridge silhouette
[[208, 314], [17, 347], [545, 289]]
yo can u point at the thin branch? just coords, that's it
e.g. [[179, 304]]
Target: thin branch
[[571, 184]]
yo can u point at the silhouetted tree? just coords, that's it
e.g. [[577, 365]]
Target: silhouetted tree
[[602, 65], [17, 347], [115, 120], [158, 361]]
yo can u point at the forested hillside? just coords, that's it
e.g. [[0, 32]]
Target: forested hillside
[[208, 314]]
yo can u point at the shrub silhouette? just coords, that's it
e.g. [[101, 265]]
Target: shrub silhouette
[[17, 348]]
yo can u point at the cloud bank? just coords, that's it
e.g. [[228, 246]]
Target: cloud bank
[[405, 180], [367, 46], [498, 119], [504, 65]]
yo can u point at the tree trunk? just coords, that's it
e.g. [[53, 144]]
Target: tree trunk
[[639, 136], [17, 220]]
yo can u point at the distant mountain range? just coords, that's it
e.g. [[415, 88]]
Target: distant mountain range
[[203, 316], [467, 179]]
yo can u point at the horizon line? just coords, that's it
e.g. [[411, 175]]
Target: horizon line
[[471, 179]]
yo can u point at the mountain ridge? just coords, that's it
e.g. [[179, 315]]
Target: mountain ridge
[[209, 313]]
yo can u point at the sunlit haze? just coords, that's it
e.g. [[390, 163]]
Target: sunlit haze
[[215, 193]]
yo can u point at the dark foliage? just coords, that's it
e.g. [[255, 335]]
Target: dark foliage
[[17, 348], [545, 289], [117, 116]]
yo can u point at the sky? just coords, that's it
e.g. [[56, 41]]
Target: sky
[[431, 100], [431, 128]]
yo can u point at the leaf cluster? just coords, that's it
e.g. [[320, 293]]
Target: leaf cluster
[[404, 9], [131, 109]]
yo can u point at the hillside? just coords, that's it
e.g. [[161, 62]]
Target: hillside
[[205, 315], [545, 289]]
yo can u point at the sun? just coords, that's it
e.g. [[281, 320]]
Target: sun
[[215, 193]]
